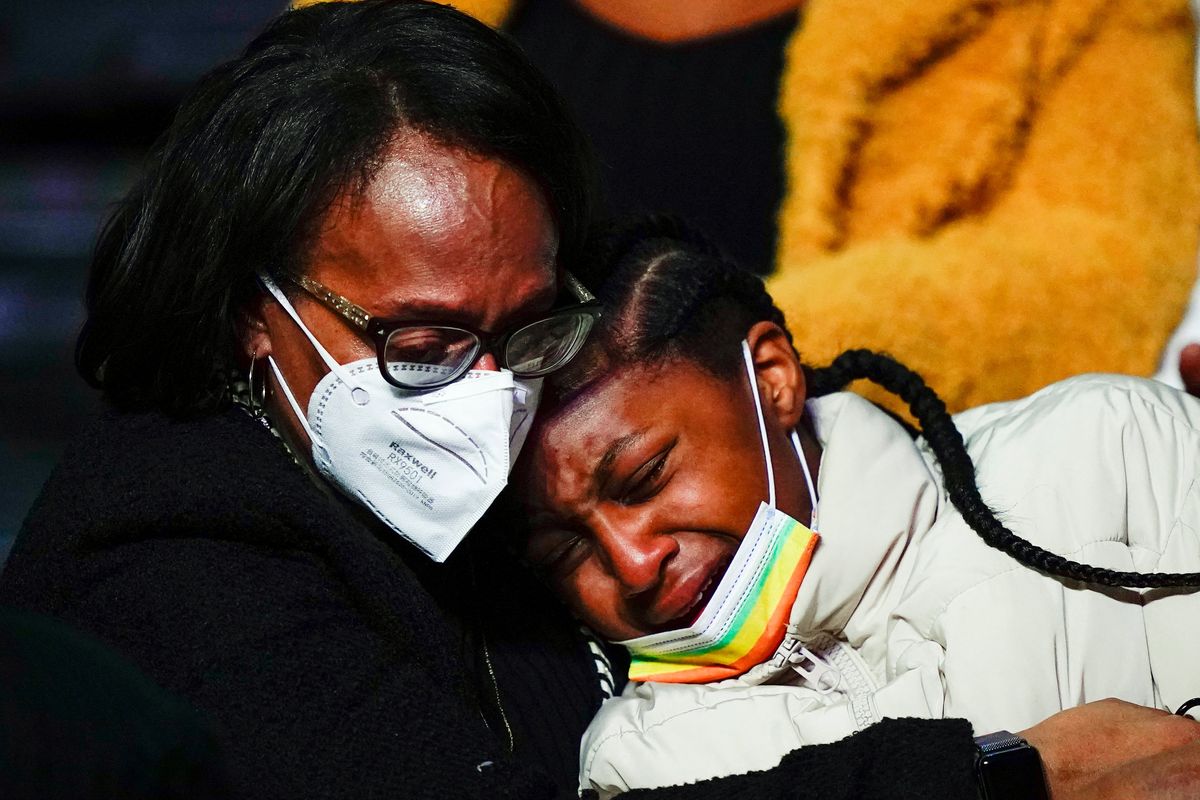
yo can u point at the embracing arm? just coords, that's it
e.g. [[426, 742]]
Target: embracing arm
[[660, 734], [1105, 750]]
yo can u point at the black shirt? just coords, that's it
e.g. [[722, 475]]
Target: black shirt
[[688, 128]]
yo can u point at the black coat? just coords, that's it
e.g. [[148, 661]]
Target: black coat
[[339, 661]]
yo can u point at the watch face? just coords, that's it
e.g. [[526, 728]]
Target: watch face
[[1011, 774]]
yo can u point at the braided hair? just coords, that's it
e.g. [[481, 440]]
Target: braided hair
[[669, 294]]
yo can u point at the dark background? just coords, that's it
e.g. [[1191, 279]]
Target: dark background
[[85, 87]]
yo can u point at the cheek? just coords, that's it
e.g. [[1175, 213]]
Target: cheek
[[721, 500], [688, 496], [595, 600], [299, 363]]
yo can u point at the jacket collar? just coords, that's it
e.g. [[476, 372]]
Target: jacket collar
[[878, 497]]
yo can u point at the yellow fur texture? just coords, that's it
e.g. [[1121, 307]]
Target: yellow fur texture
[[1001, 194]]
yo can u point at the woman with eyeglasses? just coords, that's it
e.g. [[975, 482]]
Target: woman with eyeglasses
[[320, 319]]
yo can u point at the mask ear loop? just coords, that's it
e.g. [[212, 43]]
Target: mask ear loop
[[762, 425], [360, 395], [762, 430], [808, 480], [291, 398]]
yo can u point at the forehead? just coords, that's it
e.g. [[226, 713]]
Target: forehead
[[668, 399], [440, 232]]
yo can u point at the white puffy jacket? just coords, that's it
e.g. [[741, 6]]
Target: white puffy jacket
[[908, 613]]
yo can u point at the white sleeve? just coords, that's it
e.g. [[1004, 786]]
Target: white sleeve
[[659, 734], [1164, 500]]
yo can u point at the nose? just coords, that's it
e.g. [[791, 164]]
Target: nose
[[486, 361], [636, 554]]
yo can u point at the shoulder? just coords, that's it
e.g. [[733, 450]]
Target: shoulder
[[180, 526], [1084, 406], [138, 476], [1070, 464]]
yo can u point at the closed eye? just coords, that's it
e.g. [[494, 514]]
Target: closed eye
[[564, 558], [649, 479]]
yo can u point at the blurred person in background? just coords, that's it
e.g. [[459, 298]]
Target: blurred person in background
[[1001, 194]]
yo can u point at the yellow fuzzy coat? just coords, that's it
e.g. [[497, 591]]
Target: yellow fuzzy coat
[[1001, 193]]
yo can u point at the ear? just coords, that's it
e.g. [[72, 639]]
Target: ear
[[779, 372], [254, 331]]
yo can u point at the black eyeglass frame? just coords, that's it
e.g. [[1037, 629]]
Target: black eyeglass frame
[[380, 329]]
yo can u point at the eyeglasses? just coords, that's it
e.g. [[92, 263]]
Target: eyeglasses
[[421, 355]]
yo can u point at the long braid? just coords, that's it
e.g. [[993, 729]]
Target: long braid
[[673, 293], [959, 471]]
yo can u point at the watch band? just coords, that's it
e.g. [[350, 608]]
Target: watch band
[[1008, 768]]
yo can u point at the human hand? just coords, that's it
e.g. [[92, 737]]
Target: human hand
[[1189, 368], [1113, 749], [1173, 775]]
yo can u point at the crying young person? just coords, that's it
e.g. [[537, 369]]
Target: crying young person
[[787, 563]]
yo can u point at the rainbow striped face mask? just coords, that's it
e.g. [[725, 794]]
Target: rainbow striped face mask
[[746, 619]]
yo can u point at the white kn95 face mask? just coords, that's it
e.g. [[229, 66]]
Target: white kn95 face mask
[[427, 464]]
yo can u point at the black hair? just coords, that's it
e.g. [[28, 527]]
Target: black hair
[[261, 147], [670, 294]]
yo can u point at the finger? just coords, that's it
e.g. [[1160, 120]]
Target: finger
[[1189, 368]]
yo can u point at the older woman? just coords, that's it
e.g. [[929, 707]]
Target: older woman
[[367, 214], [408, 188]]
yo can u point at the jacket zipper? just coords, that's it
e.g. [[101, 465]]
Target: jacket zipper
[[509, 740], [823, 676]]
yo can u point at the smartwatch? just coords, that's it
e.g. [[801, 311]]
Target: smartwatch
[[1008, 768]]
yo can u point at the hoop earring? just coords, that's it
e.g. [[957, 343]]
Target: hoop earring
[[257, 399]]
